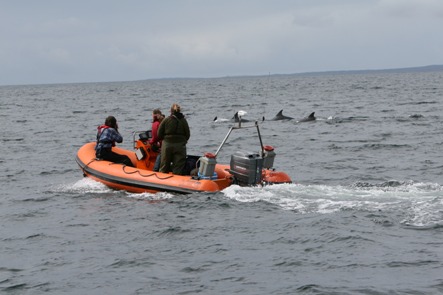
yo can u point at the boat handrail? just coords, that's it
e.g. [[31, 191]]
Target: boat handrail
[[148, 132], [241, 127]]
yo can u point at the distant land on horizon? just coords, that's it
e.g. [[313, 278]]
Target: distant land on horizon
[[430, 68], [422, 69]]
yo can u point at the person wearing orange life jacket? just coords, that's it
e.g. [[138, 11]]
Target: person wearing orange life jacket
[[107, 136], [156, 143]]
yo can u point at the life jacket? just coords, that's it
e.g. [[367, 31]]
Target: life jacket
[[100, 130]]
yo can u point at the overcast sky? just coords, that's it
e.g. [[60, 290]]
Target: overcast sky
[[61, 41]]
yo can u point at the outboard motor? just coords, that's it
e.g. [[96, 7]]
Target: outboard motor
[[207, 167], [246, 167], [268, 157]]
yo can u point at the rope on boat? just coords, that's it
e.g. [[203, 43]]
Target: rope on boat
[[93, 160], [123, 168], [138, 171], [83, 168]]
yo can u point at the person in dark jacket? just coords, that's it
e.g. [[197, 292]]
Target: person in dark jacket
[[175, 133], [107, 136]]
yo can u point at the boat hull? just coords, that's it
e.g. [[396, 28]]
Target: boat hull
[[137, 180], [142, 178]]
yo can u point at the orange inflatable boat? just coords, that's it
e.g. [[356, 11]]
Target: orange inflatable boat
[[202, 173]]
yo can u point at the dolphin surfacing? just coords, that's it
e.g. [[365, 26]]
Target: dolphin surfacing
[[236, 118], [311, 117], [280, 116]]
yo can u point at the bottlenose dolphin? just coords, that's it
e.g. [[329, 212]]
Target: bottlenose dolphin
[[311, 117], [216, 119], [236, 117], [280, 116]]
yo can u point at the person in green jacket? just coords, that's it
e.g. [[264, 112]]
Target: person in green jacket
[[175, 133]]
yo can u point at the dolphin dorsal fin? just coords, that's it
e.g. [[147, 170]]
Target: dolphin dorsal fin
[[280, 113], [312, 115]]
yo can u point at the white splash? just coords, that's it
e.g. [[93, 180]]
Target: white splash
[[422, 203], [241, 113], [161, 196], [220, 120], [84, 185]]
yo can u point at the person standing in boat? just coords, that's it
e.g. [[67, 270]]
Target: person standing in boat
[[175, 133], [156, 143], [107, 136]]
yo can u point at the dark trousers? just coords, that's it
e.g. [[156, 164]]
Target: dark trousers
[[174, 153], [157, 162], [109, 155]]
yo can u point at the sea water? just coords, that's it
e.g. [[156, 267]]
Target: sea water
[[364, 214]]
